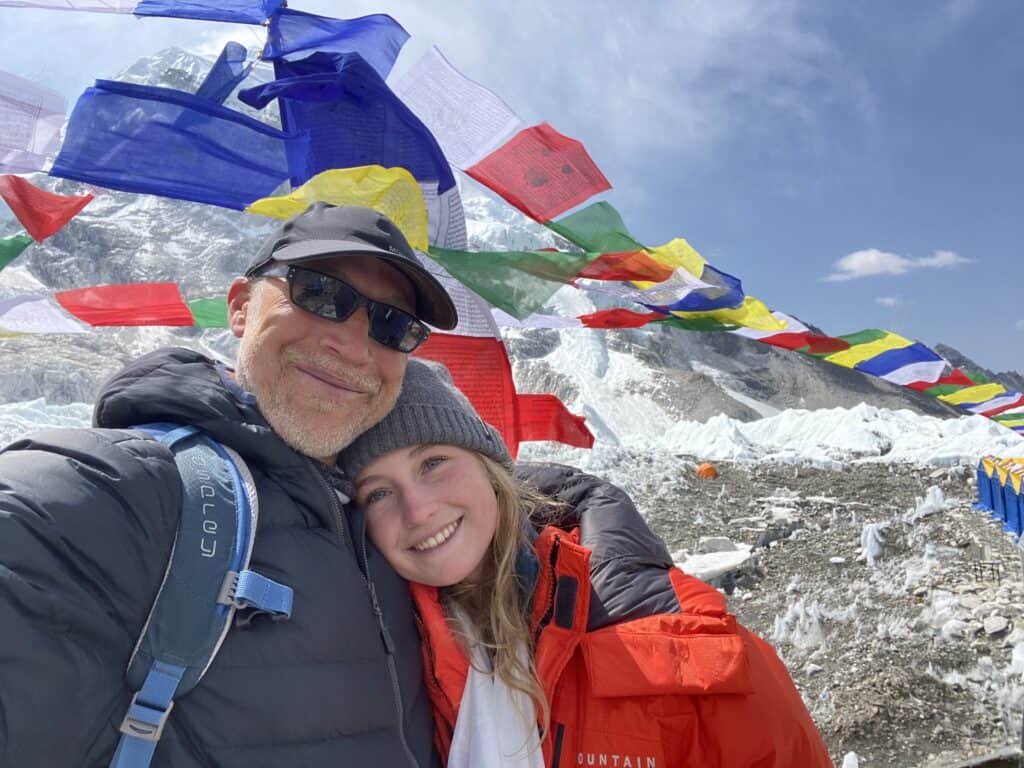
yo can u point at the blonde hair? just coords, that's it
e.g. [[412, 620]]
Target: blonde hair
[[492, 604]]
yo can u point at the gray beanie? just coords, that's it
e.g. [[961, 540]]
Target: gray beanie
[[430, 410]]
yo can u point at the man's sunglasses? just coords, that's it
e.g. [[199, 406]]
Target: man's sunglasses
[[333, 299]]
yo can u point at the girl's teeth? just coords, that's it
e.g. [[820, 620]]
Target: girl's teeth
[[438, 538]]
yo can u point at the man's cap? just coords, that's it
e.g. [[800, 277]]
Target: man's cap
[[430, 411], [324, 230]]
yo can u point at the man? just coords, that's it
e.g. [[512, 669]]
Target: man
[[327, 313]]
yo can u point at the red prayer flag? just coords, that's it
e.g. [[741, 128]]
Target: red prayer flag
[[541, 172], [127, 305], [808, 343], [41, 213], [957, 377], [619, 318], [480, 367], [628, 265], [996, 411], [545, 417]]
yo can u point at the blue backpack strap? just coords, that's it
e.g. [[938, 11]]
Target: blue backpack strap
[[206, 581]]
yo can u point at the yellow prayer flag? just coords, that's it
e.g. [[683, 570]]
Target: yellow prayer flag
[[988, 464], [752, 313], [1010, 423], [978, 394], [1016, 474], [675, 254], [391, 191], [858, 353]]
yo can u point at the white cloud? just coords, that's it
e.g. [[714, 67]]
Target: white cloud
[[888, 301], [871, 261]]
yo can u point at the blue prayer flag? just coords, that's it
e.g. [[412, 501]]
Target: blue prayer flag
[[352, 119], [377, 38], [241, 11], [727, 293], [228, 71], [893, 359], [165, 142]]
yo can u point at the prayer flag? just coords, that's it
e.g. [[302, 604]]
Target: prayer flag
[[541, 172], [391, 191], [160, 141], [545, 417], [227, 72], [30, 121], [127, 305], [351, 117], [11, 248], [518, 282], [468, 120], [865, 345], [41, 213], [446, 218], [630, 265], [36, 314], [209, 312], [751, 313], [377, 38], [96, 6], [598, 228], [957, 379], [619, 318], [1011, 408], [905, 364], [238, 11], [972, 395], [997, 404], [506, 320]]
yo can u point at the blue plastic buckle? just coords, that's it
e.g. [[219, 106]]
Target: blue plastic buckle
[[144, 721]]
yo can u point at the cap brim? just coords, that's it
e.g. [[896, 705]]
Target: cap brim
[[433, 304]]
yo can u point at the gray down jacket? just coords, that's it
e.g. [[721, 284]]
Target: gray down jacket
[[87, 519]]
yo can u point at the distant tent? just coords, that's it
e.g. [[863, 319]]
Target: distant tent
[[999, 491]]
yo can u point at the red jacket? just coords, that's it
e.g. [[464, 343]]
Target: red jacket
[[671, 690]]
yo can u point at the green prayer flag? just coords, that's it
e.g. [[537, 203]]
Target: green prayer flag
[[598, 228], [864, 337], [518, 282], [209, 313], [697, 323], [11, 248], [978, 377], [943, 389]]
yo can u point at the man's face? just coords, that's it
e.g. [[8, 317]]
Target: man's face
[[319, 383]]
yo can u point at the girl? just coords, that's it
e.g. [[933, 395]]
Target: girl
[[579, 644]]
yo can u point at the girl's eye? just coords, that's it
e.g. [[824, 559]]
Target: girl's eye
[[373, 496], [433, 462]]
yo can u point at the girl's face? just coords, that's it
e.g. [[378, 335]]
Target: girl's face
[[431, 511]]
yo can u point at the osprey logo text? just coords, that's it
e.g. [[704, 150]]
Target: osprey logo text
[[616, 761], [208, 542]]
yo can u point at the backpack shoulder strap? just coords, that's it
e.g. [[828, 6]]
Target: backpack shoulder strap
[[207, 579]]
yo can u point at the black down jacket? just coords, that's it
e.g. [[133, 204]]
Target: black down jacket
[[87, 519]]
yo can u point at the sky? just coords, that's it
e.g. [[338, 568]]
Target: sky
[[858, 165]]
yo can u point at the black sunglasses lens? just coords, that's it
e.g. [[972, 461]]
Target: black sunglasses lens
[[396, 329], [322, 295], [334, 299]]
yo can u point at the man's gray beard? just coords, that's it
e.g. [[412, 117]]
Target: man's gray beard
[[292, 429]]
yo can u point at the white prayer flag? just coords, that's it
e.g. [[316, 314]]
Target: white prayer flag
[[94, 6], [31, 118], [468, 120], [37, 314]]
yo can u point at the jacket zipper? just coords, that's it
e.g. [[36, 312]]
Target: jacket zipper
[[549, 611], [389, 647], [556, 756], [339, 521]]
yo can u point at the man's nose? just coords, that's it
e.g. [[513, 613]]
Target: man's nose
[[350, 339]]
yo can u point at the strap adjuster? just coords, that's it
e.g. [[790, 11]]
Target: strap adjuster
[[144, 721]]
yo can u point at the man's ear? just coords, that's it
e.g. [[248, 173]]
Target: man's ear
[[238, 304]]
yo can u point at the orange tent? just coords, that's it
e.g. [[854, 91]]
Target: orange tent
[[707, 470]]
